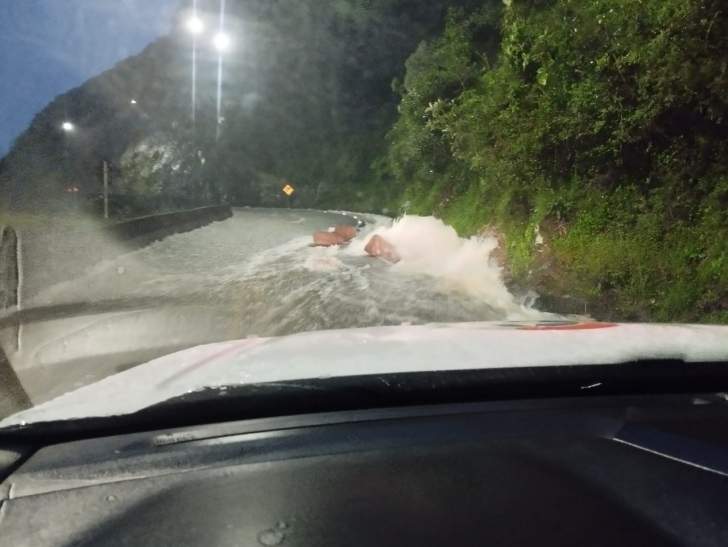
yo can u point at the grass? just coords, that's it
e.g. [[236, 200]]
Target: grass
[[645, 264]]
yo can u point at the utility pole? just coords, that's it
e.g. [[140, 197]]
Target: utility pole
[[106, 189]]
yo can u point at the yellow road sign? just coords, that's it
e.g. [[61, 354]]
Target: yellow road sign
[[288, 189]]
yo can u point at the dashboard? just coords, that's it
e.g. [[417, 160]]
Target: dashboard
[[596, 471]]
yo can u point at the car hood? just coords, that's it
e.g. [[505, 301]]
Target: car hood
[[376, 351]]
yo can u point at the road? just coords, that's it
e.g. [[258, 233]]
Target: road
[[254, 274]]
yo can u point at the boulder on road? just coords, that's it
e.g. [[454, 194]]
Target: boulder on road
[[327, 239], [381, 248], [347, 232]]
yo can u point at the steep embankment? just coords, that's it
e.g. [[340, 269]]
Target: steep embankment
[[592, 137]]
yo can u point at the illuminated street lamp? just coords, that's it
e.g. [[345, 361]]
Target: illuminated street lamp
[[195, 25], [68, 127], [133, 101], [221, 42]]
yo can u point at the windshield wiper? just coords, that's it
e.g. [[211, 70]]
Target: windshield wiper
[[80, 309]]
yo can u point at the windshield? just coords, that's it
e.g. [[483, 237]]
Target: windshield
[[180, 173]]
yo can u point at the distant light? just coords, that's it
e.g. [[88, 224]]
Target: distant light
[[67, 126], [133, 101], [195, 25], [222, 42]]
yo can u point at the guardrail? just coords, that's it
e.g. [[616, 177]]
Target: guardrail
[[9, 267], [146, 229]]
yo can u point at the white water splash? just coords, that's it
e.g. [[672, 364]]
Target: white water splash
[[322, 259], [428, 246]]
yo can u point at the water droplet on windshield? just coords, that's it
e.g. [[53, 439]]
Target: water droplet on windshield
[[282, 525], [111, 498], [271, 537]]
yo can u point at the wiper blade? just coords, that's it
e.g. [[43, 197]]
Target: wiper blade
[[79, 309]]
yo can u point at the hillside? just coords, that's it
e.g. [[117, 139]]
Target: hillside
[[305, 98]]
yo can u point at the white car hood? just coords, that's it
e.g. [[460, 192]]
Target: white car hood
[[380, 350]]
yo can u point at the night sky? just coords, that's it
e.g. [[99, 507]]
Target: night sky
[[50, 46]]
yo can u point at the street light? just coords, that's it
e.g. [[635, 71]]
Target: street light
[[69, 166], [195, 25], [133, 101], [221, 42]]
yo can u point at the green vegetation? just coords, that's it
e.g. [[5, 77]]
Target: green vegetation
[[602, 124]]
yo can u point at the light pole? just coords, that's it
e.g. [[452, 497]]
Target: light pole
[[195, 26], [221, 42], [69, 128]]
